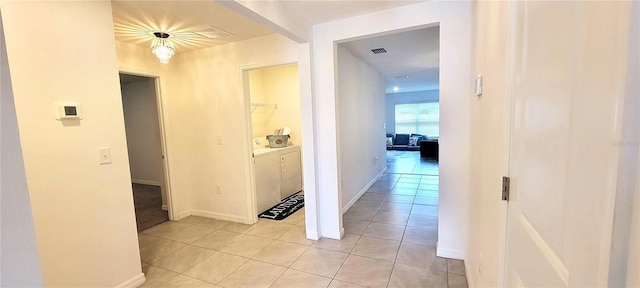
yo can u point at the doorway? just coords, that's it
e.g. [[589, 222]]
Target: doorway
[[145, 147], [388, 92], [273, 97]]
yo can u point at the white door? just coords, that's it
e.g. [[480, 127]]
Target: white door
[[567, 67]]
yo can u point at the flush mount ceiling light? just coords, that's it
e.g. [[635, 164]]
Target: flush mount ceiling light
[[162, 47]]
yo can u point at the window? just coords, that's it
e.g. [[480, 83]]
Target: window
[[418, 118]]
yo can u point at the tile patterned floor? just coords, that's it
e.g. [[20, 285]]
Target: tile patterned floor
[[391, 233], [409, 162]]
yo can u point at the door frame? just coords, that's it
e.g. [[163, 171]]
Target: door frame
[[252, 201], [508, 110], [163, 142]]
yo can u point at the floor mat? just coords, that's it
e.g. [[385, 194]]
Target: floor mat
[[285, 208]]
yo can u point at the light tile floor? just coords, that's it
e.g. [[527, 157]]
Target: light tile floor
[[391, 233], [410, 162]]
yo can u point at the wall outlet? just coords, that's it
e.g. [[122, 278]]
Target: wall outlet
[[375, 160], [219, 139], [218, 190]]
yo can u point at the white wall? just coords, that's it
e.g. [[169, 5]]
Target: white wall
[[362, 141], [280, 86], [143, 133], [454, 19], [309, 142], [262, 114], [202, 96], [83, 211], [203, 100], [275, 16], [405, 98], [207, 104], [19, 263], [489, 140]]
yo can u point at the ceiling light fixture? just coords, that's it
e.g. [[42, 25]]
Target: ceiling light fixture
[[162, 47], [395, 88]]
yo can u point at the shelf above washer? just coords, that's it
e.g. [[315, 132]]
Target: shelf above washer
[[255, 106]]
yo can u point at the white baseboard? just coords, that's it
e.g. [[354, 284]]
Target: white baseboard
[[313, 235], [133, 282], [146, 182], [165, 207], [337, 236], [362, 191], [449, 253], [213, 215], [470, 280], [183, 214]]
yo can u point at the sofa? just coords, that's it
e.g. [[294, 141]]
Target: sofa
[[405, 142], [429, 149]]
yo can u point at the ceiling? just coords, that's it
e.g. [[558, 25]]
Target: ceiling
[[135, 22], [411, 62], [412, 53], [315, 12]]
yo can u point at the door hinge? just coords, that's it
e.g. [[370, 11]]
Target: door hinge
[[505, 188]]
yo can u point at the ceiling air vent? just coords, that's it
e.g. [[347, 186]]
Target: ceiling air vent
[[378, 50], [212, 33]]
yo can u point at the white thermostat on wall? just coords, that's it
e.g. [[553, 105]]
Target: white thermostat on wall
[[68, 112]]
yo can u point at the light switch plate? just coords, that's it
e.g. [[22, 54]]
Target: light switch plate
[[105, 155]]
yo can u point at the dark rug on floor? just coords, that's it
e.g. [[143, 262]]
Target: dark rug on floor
[[285, 208]]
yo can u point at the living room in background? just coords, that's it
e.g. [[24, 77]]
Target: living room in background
[[417, 128]]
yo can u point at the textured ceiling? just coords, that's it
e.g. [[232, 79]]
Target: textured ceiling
[[135, 22], [415, 54]]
